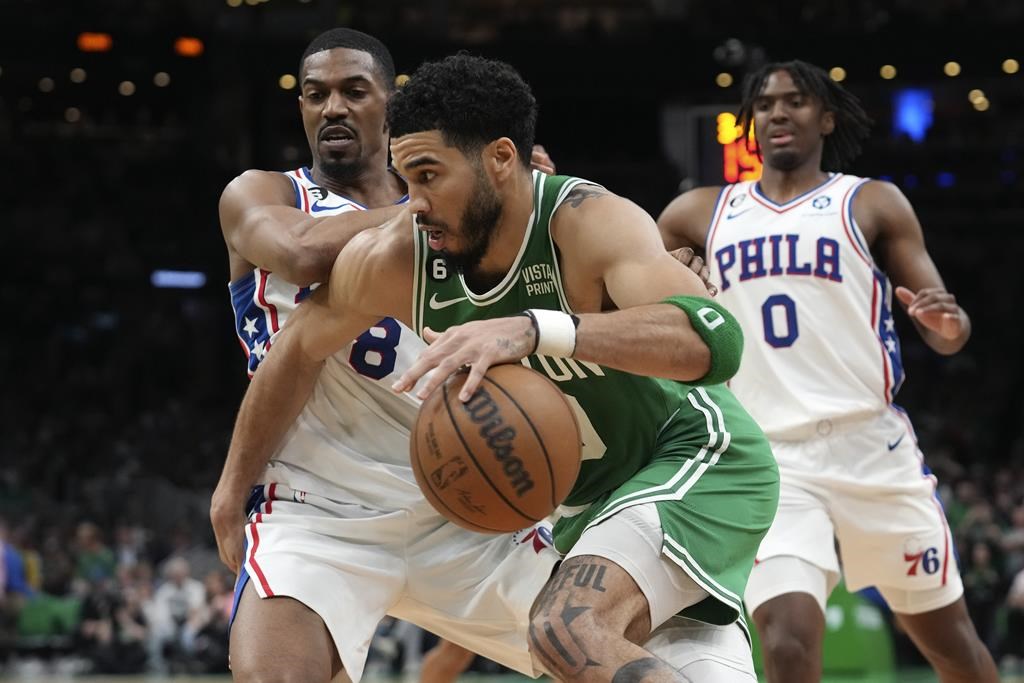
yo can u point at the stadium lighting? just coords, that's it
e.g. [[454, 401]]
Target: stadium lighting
[[888, 72], [837, 74], [161, 79], [723, 80], [287, 82], [72, 115], [126, 88], [77, 75], [1011, 66], [951, 69], [913, 112], [177, 279], [187, 46], [46, 84], [234, 3], [976, 95], [981, 104], [89, 41]]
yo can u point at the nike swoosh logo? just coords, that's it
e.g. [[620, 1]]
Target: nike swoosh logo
[[730, 216], [892, 446], [436, 305]]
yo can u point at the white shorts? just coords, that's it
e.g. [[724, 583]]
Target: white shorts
[[703, 652], [863, 486], [352, 565]]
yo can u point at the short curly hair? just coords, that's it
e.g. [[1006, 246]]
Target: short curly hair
[[471, 100], [353, 40]]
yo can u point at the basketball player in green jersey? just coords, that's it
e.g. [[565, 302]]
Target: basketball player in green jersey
[[677, 486]]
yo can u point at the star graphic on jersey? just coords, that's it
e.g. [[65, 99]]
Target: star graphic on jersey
[[259, 349], [890, 324], [250, 326], [890, 344]]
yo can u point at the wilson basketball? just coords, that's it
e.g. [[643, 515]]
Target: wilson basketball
[[501, 461]]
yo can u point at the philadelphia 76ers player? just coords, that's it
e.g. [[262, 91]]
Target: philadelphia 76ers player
[[803, 258], [342, 479]]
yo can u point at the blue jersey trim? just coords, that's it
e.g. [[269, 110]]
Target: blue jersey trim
[[757, 189], [854, 228], [295, 188]]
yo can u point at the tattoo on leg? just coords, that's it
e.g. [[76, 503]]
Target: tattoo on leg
[[638, 670], [551, 634]]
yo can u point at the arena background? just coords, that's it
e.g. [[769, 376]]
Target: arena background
[[121, 121]]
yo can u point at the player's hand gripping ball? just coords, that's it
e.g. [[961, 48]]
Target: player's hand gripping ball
[[501, 461]]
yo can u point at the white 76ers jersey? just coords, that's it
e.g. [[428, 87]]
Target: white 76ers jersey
[[815, 309], [365, 426]]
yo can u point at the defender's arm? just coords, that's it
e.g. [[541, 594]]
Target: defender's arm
[[332, 316], [262, 226], [686, 219]]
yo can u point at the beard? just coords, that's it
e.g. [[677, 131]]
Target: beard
[[343, 170], [481, 215], [784, 160]]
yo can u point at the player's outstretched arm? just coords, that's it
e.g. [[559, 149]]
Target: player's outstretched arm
[[262, 226], [321, 326], [942, 323], [665, 326]]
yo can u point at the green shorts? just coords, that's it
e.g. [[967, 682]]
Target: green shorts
[[715, 483]]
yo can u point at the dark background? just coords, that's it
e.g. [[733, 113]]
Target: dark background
[[118, 397]]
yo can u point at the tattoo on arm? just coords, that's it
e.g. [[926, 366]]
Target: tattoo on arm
[[511, 345], [581, 193]]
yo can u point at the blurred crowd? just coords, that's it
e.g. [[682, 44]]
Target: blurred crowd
[[111, 601]]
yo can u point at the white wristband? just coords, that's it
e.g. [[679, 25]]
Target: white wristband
[[556, 333]]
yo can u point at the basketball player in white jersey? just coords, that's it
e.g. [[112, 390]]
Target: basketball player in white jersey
[[798, 257], [345, 466]]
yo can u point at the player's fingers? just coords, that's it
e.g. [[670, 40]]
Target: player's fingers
[[430, 336], [683, 254], [412, 375], [905, 295], [441, 373], [476, 375]]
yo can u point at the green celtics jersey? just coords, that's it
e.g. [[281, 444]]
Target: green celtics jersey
[[621, 415]]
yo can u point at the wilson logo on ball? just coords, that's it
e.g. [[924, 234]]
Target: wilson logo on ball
[[499, 436]]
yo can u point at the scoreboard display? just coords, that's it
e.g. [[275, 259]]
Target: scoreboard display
[[708, 146], [739, 158]]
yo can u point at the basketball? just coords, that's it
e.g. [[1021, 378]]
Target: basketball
[[501, 461]]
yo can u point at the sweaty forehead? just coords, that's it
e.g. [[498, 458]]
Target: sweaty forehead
[[339, 64]]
